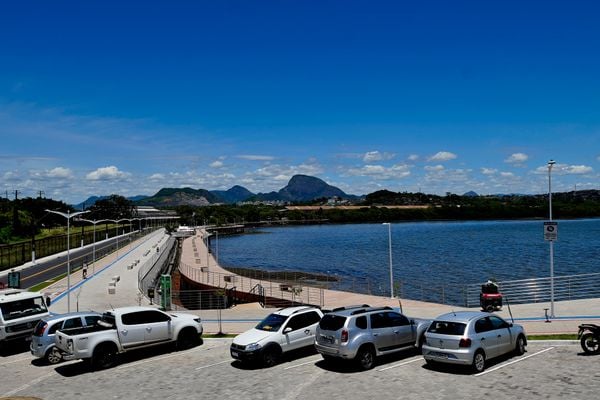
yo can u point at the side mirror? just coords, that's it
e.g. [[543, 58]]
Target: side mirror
[[287, 330], [510, 325]]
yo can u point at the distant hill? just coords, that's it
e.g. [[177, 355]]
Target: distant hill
[[234, 195], [470, 194], [171, 197], [302, 188], [90, 201]]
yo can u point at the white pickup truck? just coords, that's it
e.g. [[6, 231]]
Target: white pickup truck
[[123, 329]]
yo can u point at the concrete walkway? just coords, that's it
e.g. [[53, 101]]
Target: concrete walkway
[[92, 293]]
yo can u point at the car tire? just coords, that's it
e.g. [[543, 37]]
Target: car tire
[[366, 357], [270, 356], [105, 356], [590, 343], [53, 356], [520, 347], [187, 339], [478, 361]]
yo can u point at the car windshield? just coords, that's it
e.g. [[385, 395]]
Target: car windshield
[[23, 308], [272, 323], [331, 322], [447, 328]]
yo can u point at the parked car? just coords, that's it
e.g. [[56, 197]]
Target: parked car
[[282, 331], [471, 338], [42, 340], [362, 333], [128, 328]]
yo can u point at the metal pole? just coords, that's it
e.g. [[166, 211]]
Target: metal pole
[[94, 251], [68, 262], [390, 251], [550, 164]]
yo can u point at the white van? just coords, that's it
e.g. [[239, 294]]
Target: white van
[[20, 311]]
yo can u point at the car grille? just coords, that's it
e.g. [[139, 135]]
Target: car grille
[[26, 326], [237, 347]]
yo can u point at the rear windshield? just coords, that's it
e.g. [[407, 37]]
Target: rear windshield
[[447, 328], [331, 322]]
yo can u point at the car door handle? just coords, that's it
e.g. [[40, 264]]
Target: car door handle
[[499, 336], [307, 331], [396, 332], [376, 334], [482, 339], [149, 329], [124, 331]]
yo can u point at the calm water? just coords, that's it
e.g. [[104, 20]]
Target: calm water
[[436, 253]]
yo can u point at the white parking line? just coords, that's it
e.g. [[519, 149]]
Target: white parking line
[[212, 365], [28, 385], [304, 363], [17, 360], [513, 362], [401, 364]]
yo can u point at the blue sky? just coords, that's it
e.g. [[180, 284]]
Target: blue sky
[[127, 97]]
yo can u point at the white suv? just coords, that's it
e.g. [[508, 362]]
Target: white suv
[[284, 330]]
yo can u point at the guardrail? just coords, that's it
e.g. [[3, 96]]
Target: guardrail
[[536, 290], [290, 291]]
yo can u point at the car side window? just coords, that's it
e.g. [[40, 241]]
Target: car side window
[[378, 320], [361, 322], [482, 325], [133, 318], [148, 317], [91, 319], [312, 318], [73, 323], [295, 322], [52, 330], [498, 323], [397, 319]]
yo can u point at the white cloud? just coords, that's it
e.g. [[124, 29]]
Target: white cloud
[[488, 171], [396, 171], [60, 173], [507, 174], [517, 158], [216, 164], [578, 170], [156, 177], [442, 156], [438, 167], [253, 157], [371, 156], [413, 157], [110, 173], [565, 169]]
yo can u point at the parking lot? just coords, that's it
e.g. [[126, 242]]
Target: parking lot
[[547, 370]]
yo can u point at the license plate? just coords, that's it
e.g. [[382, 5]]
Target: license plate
[[327, 339], [438, 354]]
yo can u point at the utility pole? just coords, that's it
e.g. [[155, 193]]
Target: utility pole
[[41, 194]]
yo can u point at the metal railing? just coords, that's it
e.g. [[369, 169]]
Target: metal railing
[[151, 269], [536, 290], [294, 291]]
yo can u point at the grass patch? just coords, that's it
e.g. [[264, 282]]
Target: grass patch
[[558, 336], [45, 284]]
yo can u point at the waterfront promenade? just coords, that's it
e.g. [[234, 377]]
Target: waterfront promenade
[[197, 263]]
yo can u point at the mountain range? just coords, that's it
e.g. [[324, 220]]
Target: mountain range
[[300, 188]]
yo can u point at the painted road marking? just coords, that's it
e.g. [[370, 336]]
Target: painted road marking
[[401, 364], [513, 362], [28, 385], [304, 363], [212, 365], [153, 359]]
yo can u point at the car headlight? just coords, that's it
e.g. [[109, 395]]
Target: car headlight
[[253, 347]]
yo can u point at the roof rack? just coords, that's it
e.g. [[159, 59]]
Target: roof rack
[[364, 310], [350, 307]]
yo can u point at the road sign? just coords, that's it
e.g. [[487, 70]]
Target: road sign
[[550, 231]]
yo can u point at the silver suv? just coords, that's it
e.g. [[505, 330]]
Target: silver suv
[[42, 340], [361, 333]]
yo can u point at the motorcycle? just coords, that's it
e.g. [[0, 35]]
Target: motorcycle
[[589, 336]]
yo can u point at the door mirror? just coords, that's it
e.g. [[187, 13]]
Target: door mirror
[[287, 330]]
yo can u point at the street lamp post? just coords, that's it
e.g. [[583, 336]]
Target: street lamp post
[[68, 216], [94, 222], [550, 165], [390, 251]]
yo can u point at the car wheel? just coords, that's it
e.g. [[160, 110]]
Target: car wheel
[[520, 347], [270, 356], [53, 356], [479, 361], [186, 339], [104, 357], [366, 358]]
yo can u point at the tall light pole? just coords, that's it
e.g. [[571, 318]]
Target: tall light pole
[[550, 165], [68, 216], [390, 251], [94, 222]]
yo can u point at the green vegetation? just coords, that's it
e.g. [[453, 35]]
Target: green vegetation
[[557, 336]]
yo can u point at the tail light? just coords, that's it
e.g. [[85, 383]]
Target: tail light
[[464, 342], [39, 329], [344, 337]]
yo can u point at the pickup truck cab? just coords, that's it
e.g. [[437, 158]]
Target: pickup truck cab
[[124, 329]]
